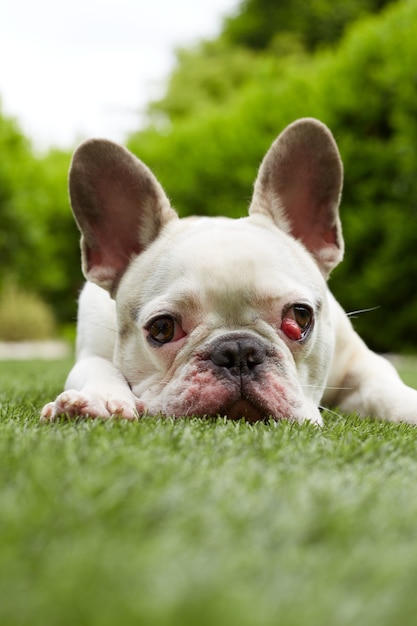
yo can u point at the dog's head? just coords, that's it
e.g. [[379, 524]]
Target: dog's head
[[218, 316]]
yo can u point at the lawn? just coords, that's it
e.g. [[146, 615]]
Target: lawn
[[201, 523]]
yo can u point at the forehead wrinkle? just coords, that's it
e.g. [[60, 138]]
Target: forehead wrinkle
[[187, 299], [225, 267]]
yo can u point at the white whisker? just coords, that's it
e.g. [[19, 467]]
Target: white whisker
[[325, 408], [354, 313], [328, 388], [109, 328]]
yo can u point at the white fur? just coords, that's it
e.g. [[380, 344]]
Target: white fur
[[228, 284]]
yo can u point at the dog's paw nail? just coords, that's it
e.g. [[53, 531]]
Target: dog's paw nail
[[121, 409], [141, 407], [72, 403]]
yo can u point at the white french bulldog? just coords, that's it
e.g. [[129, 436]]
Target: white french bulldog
[[217, 316]]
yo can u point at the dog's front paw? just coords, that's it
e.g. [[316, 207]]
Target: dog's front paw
[[87, 404]]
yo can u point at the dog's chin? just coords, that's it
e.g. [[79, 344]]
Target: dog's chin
[[243, 409]]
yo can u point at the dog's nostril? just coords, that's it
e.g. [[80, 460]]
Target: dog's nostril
[[238, 353]]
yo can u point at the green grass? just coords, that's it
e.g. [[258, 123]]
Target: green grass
[[200, 523]]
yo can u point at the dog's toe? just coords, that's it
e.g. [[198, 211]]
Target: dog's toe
[[141, 407], [74, 404], [48, 412], [119, 408]]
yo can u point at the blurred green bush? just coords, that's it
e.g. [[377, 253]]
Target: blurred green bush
[[38, 237], [225, 103], [24, 316], [365, 89]]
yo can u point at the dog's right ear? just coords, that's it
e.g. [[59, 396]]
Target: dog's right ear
[[299, 187], [119, 207]]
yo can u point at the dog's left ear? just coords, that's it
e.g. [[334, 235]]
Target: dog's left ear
[[119, 206], [299, 186]]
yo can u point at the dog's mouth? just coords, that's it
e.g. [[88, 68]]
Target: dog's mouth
[[244, 409], [258, 395]]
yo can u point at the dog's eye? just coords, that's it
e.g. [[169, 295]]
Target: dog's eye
[[164, 330], [297, 321]]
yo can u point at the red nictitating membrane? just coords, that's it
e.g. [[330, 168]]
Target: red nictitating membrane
[[291, 329]]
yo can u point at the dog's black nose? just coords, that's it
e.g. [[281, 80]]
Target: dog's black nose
[[239, 354]]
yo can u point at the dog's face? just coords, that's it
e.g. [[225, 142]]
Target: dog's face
[[218, 316], [225, 317]]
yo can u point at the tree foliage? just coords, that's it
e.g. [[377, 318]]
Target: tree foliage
[[366, 91], [261, 34], [38, 238], [209, 74], [16, 154], [225, 102], [260, 24]]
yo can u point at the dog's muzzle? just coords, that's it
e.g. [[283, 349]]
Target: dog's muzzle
[[238, 360]]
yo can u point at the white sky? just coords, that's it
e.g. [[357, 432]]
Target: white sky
[[82, 68]]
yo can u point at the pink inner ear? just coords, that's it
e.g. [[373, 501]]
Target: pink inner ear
[[325, 246], [299, 185], [112, 238], [314, 230], [119, 207], [309, 210], [113, 261]]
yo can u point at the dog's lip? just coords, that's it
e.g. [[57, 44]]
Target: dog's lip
[[245, 409]]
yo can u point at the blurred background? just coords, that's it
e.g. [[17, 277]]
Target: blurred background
[[199, 92]]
